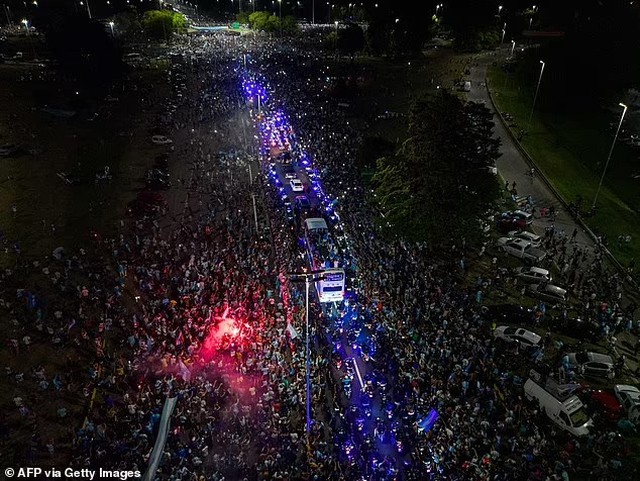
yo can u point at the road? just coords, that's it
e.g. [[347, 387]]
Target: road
[[514, 167]]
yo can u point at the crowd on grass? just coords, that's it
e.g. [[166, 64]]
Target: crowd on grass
[[194, 303]]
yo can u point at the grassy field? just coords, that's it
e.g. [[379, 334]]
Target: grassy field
[[571, 151], [29, 183]]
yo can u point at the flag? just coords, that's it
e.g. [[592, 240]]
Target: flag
[[292, 331]]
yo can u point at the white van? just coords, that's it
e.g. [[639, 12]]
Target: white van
[[567, 411]]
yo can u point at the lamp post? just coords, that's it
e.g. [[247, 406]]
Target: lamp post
[[613, 144], [536, 95], [111, 25], [280, 7], [313, 12], [513, 46], [504, 30], [309, 277], [88, 8]]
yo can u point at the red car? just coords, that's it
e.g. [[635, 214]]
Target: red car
[[604, 403], [508, 224]]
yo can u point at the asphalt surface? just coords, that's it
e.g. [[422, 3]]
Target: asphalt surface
[[514, 167]]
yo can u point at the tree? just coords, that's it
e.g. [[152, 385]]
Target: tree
[[350, 39], [290, 25], [242, 18], [438, 183], [377, 37], [264, 21], [128, 24], [162, 24]]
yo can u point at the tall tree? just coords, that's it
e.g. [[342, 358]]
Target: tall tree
[[439, 182]]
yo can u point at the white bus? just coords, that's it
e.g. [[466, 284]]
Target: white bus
[[322, 252]]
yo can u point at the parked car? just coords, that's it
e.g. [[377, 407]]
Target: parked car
[[511, 313], [603, 403], [629, 397], [547, 292], [574, 327], [519, 214], [296, 185], [535, 239], [592, 364], [526, 339], [161, 140], [533, 274], [522, 249], [505, 225]]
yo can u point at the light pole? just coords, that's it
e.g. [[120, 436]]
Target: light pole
[[613, 144], [309, 277], [111, 25], [313, 12], [253, 5], [88, 9], [513, 45], [336, 22], [280, 7], [536, 95], [504, 30]]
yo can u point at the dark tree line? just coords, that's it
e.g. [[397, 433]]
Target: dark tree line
[[439, 183]]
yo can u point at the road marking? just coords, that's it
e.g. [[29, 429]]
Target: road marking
[[355, 365]]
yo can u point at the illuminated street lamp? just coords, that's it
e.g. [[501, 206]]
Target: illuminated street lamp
[[613, 144], [504, 30], [536, 95], [513, 45], [25, 22], [111, 25]]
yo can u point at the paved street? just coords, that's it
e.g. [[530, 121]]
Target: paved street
[[514, 167]]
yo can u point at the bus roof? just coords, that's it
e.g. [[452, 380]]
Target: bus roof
[[315, 223]]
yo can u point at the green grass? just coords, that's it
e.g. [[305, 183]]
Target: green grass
[[571, 151]]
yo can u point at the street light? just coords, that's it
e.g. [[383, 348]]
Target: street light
[[111, 25], [536, 95], [504, 30], [499, 9], [604, 172], [280, 6], [513, 45], [309, 277]]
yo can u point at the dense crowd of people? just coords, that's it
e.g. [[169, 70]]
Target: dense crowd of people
[[194, 303]]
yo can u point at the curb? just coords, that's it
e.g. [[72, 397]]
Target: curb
[[553, 190]]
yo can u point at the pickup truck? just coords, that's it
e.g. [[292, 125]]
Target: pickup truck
[[521, 248]]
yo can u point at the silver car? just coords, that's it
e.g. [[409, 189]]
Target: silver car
[[536, 275], [547, 292], [592, 364]]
